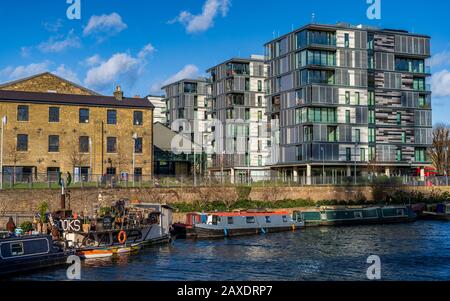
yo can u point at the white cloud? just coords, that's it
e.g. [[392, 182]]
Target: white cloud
[[13, 73], [119, 68], [147, 50], [25, 51], [440, 59], [205, 20], [53, 26], [119, 65], [188, 71], [440, 83], [67, 73], [104, 26], [92, 60], [60, 43]]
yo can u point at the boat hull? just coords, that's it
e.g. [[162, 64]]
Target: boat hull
[[359, 222], [202, 233], [435, 216], [95, 254], [24, 266]]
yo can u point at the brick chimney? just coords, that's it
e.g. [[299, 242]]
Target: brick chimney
[[118, 94]]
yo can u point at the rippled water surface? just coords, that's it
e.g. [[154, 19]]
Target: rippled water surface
[[416, 251]]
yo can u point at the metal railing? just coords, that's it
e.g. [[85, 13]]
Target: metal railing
[[44, 181]]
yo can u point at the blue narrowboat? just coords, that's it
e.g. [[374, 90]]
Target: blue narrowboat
[[334, 216], [26, 253]]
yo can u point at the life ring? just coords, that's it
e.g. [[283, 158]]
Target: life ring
[[122, 237]]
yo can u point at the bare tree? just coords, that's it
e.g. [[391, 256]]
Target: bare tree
[[439, 152], [76, 157], [14, 157]]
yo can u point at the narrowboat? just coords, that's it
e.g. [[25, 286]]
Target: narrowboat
[[27, 253], [229, 224], [334, 216], [436, 212]]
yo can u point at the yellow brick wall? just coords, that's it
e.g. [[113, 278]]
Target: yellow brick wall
[[38, 128]]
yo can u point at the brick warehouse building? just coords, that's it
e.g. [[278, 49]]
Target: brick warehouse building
[[54, 125]]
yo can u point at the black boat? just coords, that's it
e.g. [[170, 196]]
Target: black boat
[[27, 253]]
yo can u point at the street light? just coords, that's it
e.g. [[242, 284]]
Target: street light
[[135, 136], [3, 123]]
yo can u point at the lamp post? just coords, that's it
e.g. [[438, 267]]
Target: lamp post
[[3, 123], [322, 150], [356, 149], [223, 161], [90, 157], [134, 156], [195, 163], [446, 165]]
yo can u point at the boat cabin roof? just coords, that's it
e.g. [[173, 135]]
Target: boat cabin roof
[[246, 213]]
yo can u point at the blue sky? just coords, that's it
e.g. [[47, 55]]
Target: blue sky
[[143, 44]]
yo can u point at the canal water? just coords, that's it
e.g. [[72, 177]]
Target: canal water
[[415, 251]]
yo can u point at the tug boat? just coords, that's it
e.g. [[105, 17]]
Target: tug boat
[[251, 222], [28, 253], [132, 227], [357, 215]]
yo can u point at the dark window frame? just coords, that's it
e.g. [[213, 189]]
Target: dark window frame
[[83, 147], [80, 115], [19, 146], [136, 116], [24, 115], [111, 120], [109, 148], [52, 146], [52, 118]]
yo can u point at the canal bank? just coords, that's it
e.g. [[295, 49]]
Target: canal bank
[[415, 251]]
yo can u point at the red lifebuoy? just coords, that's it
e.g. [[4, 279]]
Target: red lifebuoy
[[122, 237]]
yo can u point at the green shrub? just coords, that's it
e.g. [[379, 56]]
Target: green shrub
[[26, 226]]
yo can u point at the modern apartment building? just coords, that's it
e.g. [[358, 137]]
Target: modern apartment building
[[346, 98], [186, 112], [237, 103], [53, 125], [159, 113]]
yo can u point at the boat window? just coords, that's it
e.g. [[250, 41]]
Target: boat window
[[268, 220], [215, 219], [17, 249], [230, 220], [400, 212], [358, 214], [285, 220], [250, 219]]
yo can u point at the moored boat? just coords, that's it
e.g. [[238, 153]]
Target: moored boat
[[357, 215], [436, 212], [252, 222], [95, 253], [27, 253]]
